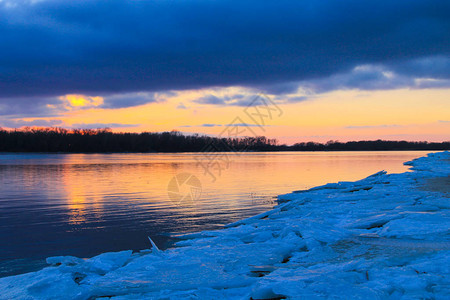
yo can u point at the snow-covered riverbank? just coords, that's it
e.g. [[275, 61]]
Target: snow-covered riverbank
[[386, 236]]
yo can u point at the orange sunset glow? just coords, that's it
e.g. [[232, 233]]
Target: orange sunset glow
[[345, 115]]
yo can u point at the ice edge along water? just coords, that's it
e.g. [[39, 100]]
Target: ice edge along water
[[384, 237]]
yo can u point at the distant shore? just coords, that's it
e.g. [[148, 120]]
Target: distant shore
[[193, 152], [60, 140]]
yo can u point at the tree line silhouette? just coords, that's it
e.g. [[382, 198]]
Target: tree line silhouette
[[104, 141]]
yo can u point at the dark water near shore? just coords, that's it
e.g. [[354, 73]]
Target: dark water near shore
[[86, 204]]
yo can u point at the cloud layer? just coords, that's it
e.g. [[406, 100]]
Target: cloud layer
[[57, 47], [117, 53]]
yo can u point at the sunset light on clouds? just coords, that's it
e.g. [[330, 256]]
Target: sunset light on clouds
[[82, 100], [394, 114], [338, 72]]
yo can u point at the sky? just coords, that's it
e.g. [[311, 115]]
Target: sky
[[335, 70]]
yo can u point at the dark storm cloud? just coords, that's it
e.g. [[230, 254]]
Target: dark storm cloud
[[366, 77], [234, 100], [50, 48], [128, 100], [435, 66], [211, 99], [414, 74], [41, 106], [251, 99], [29, 106], [22, 123], [424, 73]]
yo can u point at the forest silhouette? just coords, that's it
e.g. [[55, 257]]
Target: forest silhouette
[[105, 141]]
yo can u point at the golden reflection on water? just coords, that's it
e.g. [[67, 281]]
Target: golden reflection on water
[[76, 196], [116, 184]]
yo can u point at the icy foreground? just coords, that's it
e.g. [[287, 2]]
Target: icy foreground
[[386, 236]]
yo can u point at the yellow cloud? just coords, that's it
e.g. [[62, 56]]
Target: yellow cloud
[[74, 100]]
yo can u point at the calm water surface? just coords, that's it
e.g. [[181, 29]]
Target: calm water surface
[[86, 204]]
